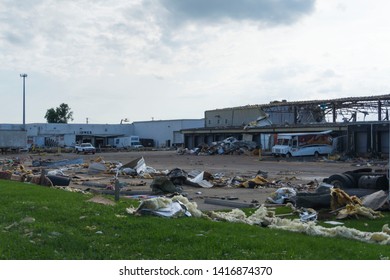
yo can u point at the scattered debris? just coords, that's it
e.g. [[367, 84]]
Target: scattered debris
[[229, 203], [256, 182], [100, 177], [227, 146], [282, 195], [362, 178], [376, 201], [308, 215], [201, 180], [163, 185], [333, 223], [96, 168], [177, 206], [59, 180], [58, 163], [358, 210], [264, 217], [340, 198], [318, 199], [177, 176]]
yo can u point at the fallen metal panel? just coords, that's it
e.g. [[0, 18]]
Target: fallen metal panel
[[48, 163]]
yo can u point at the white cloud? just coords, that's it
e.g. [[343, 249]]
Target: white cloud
[[175, 59]]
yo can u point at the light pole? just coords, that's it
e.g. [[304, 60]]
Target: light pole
[[24, 76]]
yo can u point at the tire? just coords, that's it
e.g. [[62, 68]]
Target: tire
[[288, 155], [362, 170], [341, 181], [316, 154], [353, 182]]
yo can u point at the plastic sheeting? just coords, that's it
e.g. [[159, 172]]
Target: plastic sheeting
[[281, 195], [178, 206]]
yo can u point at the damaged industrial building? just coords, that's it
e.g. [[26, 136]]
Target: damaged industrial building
[[359, 125]]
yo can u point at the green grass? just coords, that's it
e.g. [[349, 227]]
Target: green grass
[[50, 224]]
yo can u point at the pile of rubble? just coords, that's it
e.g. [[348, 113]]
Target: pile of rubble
[[133, 178], [100, 176], [76, 171], [167, 197], [228, 146], [267, 218]]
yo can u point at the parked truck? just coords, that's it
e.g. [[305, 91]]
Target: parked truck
[[127, 142], [303, 144], [11, 139]]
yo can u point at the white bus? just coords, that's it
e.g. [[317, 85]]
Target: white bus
[[303, 144]]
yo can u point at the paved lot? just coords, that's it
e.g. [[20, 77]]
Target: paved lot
[[295, 171], [299, 171]]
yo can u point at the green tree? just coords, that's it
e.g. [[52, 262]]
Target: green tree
[[61, 114]]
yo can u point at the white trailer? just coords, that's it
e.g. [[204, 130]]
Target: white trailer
[[127, 142], [13, 139], [303, 144]]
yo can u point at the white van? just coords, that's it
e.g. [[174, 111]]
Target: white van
[[303, 144], [127, 142]]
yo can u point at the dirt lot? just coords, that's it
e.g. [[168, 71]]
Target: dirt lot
[[293, 171]]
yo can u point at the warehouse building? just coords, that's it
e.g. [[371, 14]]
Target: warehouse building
[[361, 124]]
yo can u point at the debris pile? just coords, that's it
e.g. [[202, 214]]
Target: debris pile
[[227, 146], [100, 176], [351, 206], [266, 218], [167, 197], [176, 206], [282, 195]]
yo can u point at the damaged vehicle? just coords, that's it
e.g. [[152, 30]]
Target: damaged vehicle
[[357, 184], [364, 179], [227, 146]]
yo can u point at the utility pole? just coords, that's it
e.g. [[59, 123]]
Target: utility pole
[[24, 76]]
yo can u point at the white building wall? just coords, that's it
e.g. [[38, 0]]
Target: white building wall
[[79, 129], [66, 134], [7, 126], [165, 132], [69, 140]]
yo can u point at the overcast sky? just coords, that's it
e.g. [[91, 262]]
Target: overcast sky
[[174, 59]]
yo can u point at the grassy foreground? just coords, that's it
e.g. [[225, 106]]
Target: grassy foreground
[[50, 224]]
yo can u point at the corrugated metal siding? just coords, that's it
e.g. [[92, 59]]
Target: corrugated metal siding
[[384, 142], [178, 138], [361, 142]]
